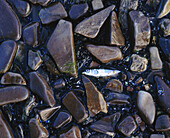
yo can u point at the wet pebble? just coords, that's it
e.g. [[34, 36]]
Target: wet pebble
[[162, 123], [73, 132], [115, 85], [164, 27], [97, 5]]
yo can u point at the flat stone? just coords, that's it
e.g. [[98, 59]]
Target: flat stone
[[75, 107], [34, 60], [90, 26], [157, 136], [125, 7], [62, 119], [30, 34], [97, 5], [78, 10], [140, 123], [73, 132], [13, 78], [8, 50], [162, 123], [163, 91], [139, 64], [164, 27], [41, 2], [141, 31], [95, 100], [64, 56], [117, 99], [156, 62], [39, 86], [5, 129], [163, 8], [115, 85], [13, 94], [165, 46], [127, 126], [60, 83], [47, 113], [37, 130], [7, 15], [107, 124], [52, 13], [146, 106], [105, 53]]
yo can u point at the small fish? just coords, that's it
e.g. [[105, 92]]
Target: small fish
[[101, 72]]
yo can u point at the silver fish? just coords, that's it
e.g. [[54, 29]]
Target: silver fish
[[101, 72]]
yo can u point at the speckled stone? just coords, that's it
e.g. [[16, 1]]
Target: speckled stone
[[115, 85]]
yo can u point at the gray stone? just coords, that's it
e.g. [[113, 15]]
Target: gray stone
[[30, 34], [165, 46], [8, 50], [10, 26], [90, 26], [162, 123], [156, 62], [139, 64], [141, 31], [73, 132], [164, 27], [41, 2], [146, 106], [64, 56], [116, 36], [163, 8], [115, 85], [95, 100], [78, 10], [105, 53], [127, 126], [13, 94], [75, 107], [157, 136], [52, 13], [97, 5], [13, 78]]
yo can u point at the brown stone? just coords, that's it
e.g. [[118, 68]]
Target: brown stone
[[39, 86], [13, 78], [105, 53], [8, 50], [13, 94], [95, 100], [115, 85], [90, 27], [41, 2], [162, 123], [64, 55], [163, 8], [75, 107], [97, 5], [74, 132]]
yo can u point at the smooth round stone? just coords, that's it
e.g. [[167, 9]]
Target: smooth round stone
[[162, 123], [10, 25], [13, 94], [115, 85], [157, 136]]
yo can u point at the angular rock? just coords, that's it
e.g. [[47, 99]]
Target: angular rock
[[97, 5], [74, 132], [75, 107], [39, 86], [13, 94], [46, 114], [13, 78], [62, 119], [146, 106], [8, 50], [60, 83], [34, 60], [162, 123], [90, 27], [163, 9], [78, 10], [163, 93], [41, 2], [105, 53], [141, 31], [139, 64], [125, 7], [5, 129], [165, 46], [37, 130], [52, 13], [95, 100], [157, 136], [64, 55], [30, 34], [115, 85], [10, 26], [107, 124], [164, 27], [117, 99], [156, 62], [116, 36], [140, 123], [127, 126]]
